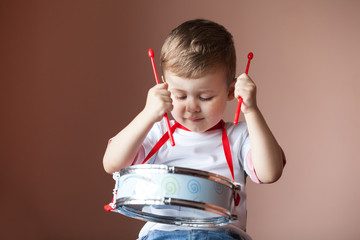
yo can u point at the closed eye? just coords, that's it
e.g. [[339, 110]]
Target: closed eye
[[205, 98], [181, 97]]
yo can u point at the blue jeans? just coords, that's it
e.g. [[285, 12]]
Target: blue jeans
[[195, 234]]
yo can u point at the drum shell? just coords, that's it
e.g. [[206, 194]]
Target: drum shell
[[174, 195], [146, 185]]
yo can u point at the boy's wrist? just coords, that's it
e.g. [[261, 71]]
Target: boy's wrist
[[252, 111], [147, 118]]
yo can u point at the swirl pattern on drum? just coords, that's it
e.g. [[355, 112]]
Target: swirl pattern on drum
[[170, 185], [194, 186], [219, 189]]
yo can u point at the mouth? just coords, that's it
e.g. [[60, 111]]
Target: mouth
[[195, 119]]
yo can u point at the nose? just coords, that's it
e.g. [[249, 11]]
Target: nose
[[192, 105]]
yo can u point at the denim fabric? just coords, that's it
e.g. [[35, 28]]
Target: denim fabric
[[191, 235]]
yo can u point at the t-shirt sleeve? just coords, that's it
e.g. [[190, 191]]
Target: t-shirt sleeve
[[151, 139], [250, 170], [246, 159], [242, 147]]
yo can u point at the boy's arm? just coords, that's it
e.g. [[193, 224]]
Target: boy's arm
[[122, 149], [266, 153]]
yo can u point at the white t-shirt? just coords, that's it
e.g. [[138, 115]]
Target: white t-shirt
[[202, 151]]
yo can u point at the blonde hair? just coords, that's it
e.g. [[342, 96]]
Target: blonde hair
[[196, 47]]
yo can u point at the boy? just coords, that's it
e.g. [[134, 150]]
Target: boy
[[198, 63]]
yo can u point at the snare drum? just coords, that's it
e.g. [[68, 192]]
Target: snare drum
[[174, 195]]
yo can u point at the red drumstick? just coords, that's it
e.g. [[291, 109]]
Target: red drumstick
[[151, 56], [240, 100]]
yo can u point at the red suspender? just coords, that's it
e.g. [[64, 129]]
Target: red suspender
[[161, 142], [225, 141], [227, 150]]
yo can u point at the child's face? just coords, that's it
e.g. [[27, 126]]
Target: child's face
[[199, 104]]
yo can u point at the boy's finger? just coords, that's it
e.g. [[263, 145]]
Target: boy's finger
[[162, 85], [244, 76]]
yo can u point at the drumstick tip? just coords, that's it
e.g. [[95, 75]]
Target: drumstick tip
[[151, 53], [250, 55]]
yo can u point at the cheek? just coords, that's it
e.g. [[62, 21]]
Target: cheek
[[178, 108], [217, 108]]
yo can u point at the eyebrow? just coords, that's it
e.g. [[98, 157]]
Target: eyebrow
[[200, 91]]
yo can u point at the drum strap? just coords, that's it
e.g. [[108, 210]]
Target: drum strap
[[161, 142], [225, 141]]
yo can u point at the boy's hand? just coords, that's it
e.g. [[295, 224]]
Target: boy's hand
[[158, 102], [246, 88]]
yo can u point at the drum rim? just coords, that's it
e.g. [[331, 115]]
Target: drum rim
[[180, 170], [175, 202], [224, 218]]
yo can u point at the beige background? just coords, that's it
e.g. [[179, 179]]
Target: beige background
[[73, 73]]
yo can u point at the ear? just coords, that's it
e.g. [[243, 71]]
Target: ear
[[231, 90]]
